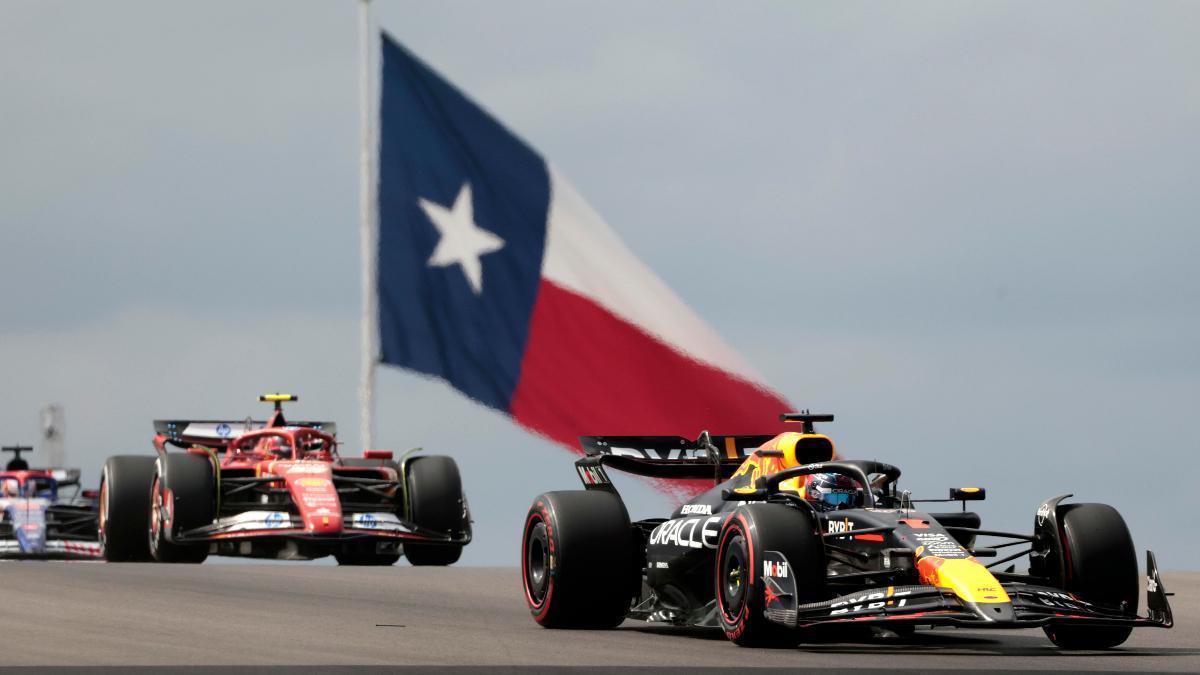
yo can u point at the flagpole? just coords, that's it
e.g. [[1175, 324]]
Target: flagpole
[[368, 235]]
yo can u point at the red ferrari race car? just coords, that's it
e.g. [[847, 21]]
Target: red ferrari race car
[[278, 489]]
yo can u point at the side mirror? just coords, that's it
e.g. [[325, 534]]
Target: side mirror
[[377, 454], [968, 494]]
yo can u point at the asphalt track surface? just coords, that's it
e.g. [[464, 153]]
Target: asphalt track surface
[[64, 614]]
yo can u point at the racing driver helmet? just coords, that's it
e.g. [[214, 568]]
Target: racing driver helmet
[[274, 446], [832, 491]]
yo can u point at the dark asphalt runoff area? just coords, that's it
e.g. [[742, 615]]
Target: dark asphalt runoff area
[[95, 614]]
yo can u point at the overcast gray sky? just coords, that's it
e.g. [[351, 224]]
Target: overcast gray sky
[[968, 229]]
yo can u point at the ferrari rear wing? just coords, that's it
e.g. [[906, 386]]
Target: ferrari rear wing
[[217, 434], [666, 456]]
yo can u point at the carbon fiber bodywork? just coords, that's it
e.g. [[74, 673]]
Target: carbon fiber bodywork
[[886, 563]]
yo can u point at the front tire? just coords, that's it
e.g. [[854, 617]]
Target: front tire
[[577, 560], [182, 498], [741, 588], [435, 502], [125, 508], [1101, 568]]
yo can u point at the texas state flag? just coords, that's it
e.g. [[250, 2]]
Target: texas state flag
[[497, 276]]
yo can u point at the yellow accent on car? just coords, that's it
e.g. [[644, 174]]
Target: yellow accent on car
[[970, 581], [274, 398]]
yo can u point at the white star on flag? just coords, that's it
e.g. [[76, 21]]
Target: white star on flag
[[463, 242]]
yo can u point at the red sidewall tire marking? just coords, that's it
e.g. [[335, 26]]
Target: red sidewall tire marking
[[737, 622], [539, 609]]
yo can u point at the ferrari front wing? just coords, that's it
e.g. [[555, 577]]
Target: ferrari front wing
[[257, 524]]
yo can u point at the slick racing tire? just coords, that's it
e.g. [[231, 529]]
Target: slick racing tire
[[743, 590], [124, 508], [182, 498], [435, 502], [577, 560], [1101, 568]]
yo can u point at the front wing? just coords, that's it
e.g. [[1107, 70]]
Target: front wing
[[278, 524], [1032, 606], [53, 549]]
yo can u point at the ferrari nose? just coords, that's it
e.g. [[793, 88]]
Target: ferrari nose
[[313, 492]]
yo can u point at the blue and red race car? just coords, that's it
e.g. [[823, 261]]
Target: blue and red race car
[[37, 520]]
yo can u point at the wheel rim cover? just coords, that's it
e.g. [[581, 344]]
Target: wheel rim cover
[[536, 563], [733, 576]]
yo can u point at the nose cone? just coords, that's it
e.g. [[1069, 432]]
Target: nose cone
[[311, 485], [29, 526], [971, 582]]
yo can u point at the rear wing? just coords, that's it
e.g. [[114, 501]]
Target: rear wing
[[217, 434], [716, 457]]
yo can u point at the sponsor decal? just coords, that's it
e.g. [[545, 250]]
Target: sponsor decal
[[775, 569], [837, 526], [1151, 584], [1060, 600], [662, 565], [696, 510], [874, 600], [223, 430], [312, 482], [319, 501], [670, 455], [688, 532], [308, 467], [384, 522], [593, 475], [277, 519], [1043, 513], [940, 545]]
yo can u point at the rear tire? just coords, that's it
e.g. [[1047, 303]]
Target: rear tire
[[1101, 568], [741, 587], [577, 560], [435, 502], [181, 498], [125, 508]]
